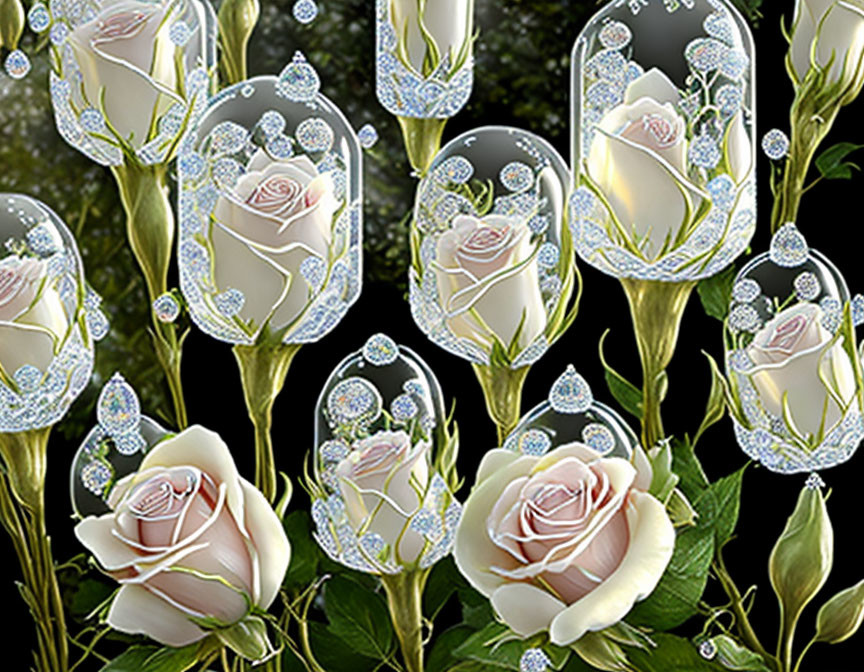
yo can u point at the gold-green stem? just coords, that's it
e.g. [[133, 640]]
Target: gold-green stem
[[803, 653], [11, 23], [422, 141], [405, 601], [502, 389], [237, 20], [742, 620], [656, 308], [150, 230], [263, 368], [22, 512]]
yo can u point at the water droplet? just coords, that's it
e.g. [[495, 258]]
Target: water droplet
[[305, 11], [298, 82], [97, 323], [166, 308], [367, 136], [708, 649], [17, 64], [788, 247], [118, 409], [570, 394]]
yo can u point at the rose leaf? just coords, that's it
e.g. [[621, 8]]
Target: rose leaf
[[715, 293], [148, 658], [359, 617]]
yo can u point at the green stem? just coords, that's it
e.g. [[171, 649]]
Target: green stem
[[803, 653], [742, 620], [502, 389], [237, 19], [656, 308], [422, 141], [405, 601], [150, 230], [263, 368], [786, 640], [22, 511]]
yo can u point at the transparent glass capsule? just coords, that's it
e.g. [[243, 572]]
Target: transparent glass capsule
[[570, 414], [793, 367], [493, 267], [46, 312], [270, 209], [663, 143], [424, 59], [113, 449], [130, 77], [383, 469]]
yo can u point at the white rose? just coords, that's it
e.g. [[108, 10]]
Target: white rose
[[638, 160], [188, 538], [33, 321], [448, 23], [487, 280], [129, 64], [795, 357], [382, 482], [839, 25], [279, 214], [564, 543]]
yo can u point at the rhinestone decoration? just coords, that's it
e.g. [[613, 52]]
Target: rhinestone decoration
[[788, 247], [179, 33], [599, 437], [744, 318], [118, 410], [534, 660], [354, 400], [807, 286], [534, 442], [38, 18], [314, 135], [704, 151], [96, 476], [17, 64], [570, 394], [775, 144], [615, 35], [367, 135], [708, 649], [380, 350], [548, 255], [305, 11], [404, 408], [166, 308], [230, 302], [746, 290], [814, 482], [298, 82], [455, 169], [516, 176], [857, 310]]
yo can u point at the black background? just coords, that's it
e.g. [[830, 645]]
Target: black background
[[829, 219]]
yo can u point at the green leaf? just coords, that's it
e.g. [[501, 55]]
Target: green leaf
[[149, 658], [330, 651], [248, 639], [831, 162], [476, 610], [733, 656], [716, 406], [304, 551], [441, 584], [673, 654], [359, 617], [441, 656], [628, 396], [715, 293], [727, 496], [685, 463], [497, 646], [602, 652], [677, 595]]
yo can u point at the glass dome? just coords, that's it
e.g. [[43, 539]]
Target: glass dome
[[663, 149], [270, 205], [48, 317], [493, 264], [113, 449], [791, 358], [127, 78], [569, 415], [379, 418], [424, 61]]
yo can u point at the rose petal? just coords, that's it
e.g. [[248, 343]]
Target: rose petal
[[653, 84], [271, 545], [493, 461], [137, 611], [526, 608]]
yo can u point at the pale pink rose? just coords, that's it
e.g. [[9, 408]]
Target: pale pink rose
[[382, 482], [33, 321], [189, 540], [279, 214], [484, 268], [795, 358], [564, 543]]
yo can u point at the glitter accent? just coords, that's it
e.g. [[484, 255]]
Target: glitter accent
[[380, 350], [548, 255], [305, 11], [775, 144], [746, 290], [807, 286], [118, 410], [230, 302], [38, 18], [534, 660], [314, 135], [367, 135], [704, 151], [179, 33], [858, 310], [455, 169], [534, 442], [403, 408], [570, 393], [615, 35], [599, 437], [516, 176], [17, 64], [814, 482], [788, 247], [166, 308], [96, 476], [354, 400], [298, 82], [744, 318]]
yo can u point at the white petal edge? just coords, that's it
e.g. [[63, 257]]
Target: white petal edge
[[526, 608], [270, 543], [652, 542], [137, 611], [493, 461]]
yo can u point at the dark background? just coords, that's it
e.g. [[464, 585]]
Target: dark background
[[522, 79]]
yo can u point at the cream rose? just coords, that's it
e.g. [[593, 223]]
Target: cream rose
[[128, 62], [837, 27], [382, 482], [564, 543], [638, 159], [33, 321], [279, 214], [448, 23], [487, 280], [188, 539], [795, 357]]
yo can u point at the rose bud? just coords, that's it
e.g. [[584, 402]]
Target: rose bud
[[194, 545], [841, 616], [837, 29]]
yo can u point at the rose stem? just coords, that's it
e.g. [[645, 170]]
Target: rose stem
[[502, 389], [263, 368], [422, 141], [150, 229], [656, 308], [237, 19], [405, 600], [22, 511]]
